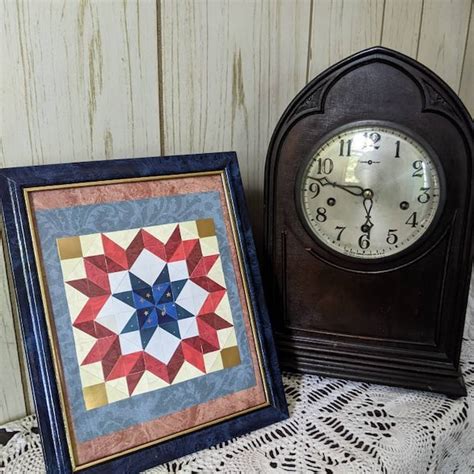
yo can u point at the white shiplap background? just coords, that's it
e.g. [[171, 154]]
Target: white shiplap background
[[100, 79]]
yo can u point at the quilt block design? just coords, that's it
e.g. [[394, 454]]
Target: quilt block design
[[149, 308]]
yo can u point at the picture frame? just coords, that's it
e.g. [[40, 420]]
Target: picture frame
[[141, 307]]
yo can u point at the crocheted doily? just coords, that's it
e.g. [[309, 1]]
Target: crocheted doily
[[336, 426]]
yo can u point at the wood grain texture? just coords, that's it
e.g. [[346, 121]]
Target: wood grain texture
[[342, 27], [466, 89], [12, 400], [442, 40], [79, 80], [229, 70], [401, 25]]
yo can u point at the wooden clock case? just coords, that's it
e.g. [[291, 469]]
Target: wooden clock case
[[399, 320]]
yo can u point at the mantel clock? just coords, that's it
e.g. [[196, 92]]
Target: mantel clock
[[369, 221]]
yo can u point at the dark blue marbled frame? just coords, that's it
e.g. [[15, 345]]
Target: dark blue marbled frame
[[28, 297]]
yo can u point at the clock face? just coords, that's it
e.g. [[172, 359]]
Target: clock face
[[369, 192]]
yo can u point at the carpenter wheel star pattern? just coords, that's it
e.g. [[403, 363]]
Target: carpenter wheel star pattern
[[149, 308]]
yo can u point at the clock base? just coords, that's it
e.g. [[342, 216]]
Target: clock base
[[446, 380]]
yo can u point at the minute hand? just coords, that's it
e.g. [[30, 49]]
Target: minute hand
[[350, 188]]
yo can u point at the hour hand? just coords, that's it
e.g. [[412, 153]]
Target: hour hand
[[368, 204], [350, 188]]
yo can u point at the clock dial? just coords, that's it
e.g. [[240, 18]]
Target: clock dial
[[370, 192]]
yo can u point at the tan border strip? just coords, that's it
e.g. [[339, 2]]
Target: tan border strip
[[103, 182]]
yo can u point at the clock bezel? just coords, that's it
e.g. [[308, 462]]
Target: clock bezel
[[402, 254]]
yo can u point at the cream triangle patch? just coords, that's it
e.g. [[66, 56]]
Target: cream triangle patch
[[91, 245], [187, 372], [223, 310], [227, 337], [154, 382], [76, 301], [162, 232], [189, 230], [216, 273], [142, 385], [209, 245], [90, 376], [73, 269], [123, 238], [212, 361], [117, 390]]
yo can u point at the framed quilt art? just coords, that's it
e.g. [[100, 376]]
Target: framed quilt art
[[142, 310]]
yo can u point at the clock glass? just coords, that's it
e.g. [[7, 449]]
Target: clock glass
[[369, 192]]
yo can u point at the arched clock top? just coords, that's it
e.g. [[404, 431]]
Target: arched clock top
[[435, 94]]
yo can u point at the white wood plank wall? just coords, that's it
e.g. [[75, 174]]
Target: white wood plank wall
[[101, 79], [78, 81]]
